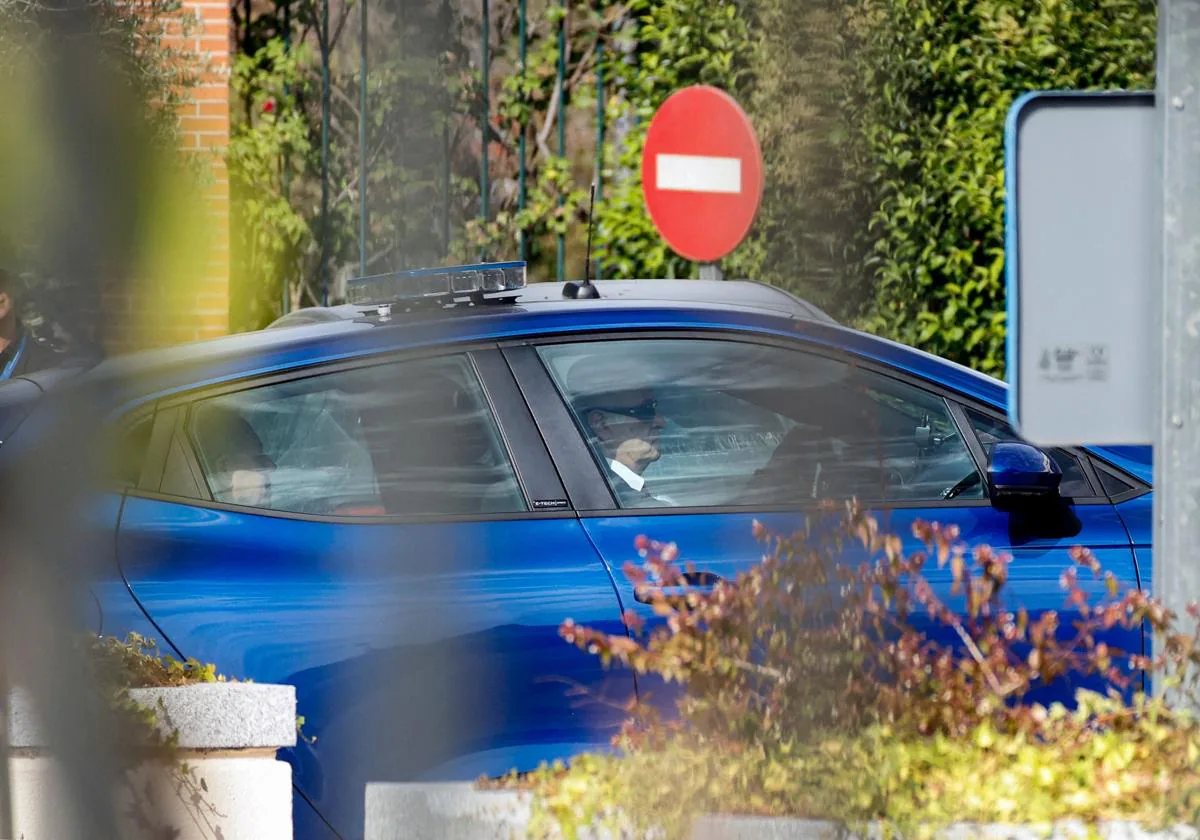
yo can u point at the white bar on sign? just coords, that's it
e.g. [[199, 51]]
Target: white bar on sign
[[698, 173]]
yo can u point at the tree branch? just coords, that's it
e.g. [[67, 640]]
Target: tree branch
[[335, 125], [341, 25], [379, 255], [348, 188], [758, 669], [582, 67], [548, 124], [346, 100], [977, 655]]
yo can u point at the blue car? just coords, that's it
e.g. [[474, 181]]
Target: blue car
[[393, 504]]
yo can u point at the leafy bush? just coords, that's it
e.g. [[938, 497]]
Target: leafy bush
[[138, 735], [267, 147], [934, 81], [118, 665], [811, 690], [882, 126], [135, 662], [811, 228], [131, 36]]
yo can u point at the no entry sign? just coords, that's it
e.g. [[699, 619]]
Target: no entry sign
[[702, 173]]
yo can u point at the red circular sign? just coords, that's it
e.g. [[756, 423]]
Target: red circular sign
[[702, 173]]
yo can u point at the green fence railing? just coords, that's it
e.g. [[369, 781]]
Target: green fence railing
[[485, 130]]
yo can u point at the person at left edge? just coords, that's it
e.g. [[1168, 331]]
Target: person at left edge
[[20, 352]]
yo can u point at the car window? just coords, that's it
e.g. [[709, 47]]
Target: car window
[[700, 422], [1074, 480], [396, 439], [128, 453], [1113, 484]]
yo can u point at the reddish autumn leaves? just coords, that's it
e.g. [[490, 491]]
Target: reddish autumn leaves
[[839, 627]]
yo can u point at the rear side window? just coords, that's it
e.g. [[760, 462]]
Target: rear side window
[[1113, 485], [398, 439], [128, 452]]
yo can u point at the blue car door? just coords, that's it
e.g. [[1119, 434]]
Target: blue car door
[[1124, 473], [732, 430], [390, 537]]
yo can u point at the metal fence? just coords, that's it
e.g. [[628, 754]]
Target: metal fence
[[484, 118]]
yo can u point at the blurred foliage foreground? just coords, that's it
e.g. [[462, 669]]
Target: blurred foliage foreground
[[813, 688]]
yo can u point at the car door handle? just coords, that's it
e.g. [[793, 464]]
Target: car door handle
[[685, 583]]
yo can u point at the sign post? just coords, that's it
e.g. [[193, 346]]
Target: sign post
[[702, 174], [1176, 572], [1103, 262]]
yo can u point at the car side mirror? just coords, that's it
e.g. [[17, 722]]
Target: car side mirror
[[1019, 474]]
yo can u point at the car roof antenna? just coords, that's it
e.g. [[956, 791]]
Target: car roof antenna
[[585, 290]]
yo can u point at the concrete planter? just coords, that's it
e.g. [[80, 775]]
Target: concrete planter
[[228, 734], [459, 812]]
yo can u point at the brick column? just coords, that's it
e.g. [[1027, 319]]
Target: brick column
[[204, 128], [208, 129]]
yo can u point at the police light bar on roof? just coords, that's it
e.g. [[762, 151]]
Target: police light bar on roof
[[451, 282]]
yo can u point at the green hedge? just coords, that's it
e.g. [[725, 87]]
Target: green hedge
[[935, 81]]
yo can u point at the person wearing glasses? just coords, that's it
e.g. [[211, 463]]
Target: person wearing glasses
[[624, 425]]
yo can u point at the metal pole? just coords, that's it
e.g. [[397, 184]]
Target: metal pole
[[400, 229], [522, 47], [485, 108], [446, 182], [636, 54], [599, 194], [561, 261], [287, 168], [711, 271], [325, 47], [1176, 575], [5, 782], [362, 140], [448, 103]]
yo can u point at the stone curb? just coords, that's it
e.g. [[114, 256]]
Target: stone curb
[[448, 811], [767, 828], [208, 716], [790, 828], [457, 811]]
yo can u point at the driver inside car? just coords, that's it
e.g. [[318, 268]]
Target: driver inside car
[[625, 425]]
